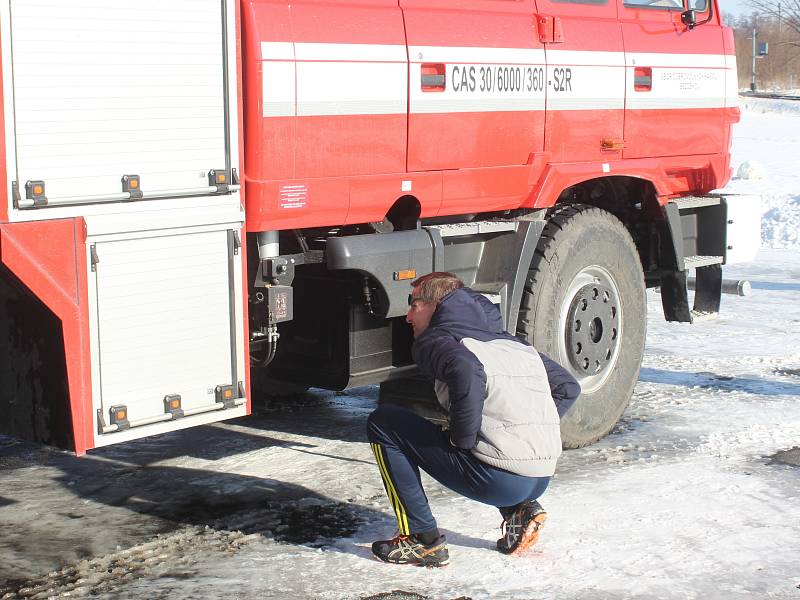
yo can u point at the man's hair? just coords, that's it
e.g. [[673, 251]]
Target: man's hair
[[433, 287]]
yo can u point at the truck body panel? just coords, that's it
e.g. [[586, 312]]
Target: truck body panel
[[492, 99], [122, 211]]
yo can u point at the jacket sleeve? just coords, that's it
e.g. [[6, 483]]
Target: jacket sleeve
[[443, 358], [563, 386]]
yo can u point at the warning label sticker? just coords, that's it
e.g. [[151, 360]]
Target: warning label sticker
[[293, 196]]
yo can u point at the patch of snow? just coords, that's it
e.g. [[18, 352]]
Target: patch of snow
[[751, 169]]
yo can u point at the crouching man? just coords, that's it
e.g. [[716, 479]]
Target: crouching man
[[503, 400]]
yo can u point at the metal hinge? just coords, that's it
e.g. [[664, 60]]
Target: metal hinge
[[237, 242], [94, 258], [550, 29], [15, 193]]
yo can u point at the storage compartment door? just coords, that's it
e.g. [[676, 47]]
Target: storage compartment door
[[100, 90], [166, 314]]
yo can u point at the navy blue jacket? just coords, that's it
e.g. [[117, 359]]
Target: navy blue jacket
[[438, 352]]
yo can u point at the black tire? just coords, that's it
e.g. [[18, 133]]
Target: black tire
[[584, 306]]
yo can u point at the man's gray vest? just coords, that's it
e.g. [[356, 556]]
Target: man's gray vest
[[520, 429]]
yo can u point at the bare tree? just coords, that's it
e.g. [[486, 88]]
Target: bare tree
[[784, 12], [780, 68]]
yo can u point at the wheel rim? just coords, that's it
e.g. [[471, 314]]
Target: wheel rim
[[590, 323]]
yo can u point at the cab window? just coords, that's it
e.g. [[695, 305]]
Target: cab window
[[657, 4]]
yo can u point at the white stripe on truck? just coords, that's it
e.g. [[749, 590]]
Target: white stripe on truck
[[310, 79]]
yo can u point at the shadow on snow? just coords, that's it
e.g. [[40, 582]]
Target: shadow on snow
[[723, 383]]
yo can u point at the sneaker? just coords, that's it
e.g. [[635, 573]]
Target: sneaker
[[521, 529], [408, 550]]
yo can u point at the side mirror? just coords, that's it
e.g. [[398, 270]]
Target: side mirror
[[689, 18]]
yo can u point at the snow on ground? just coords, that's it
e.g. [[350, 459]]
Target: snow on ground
[[685, 499], [681, 501]]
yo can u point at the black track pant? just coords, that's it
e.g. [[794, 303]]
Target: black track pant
[[404, 443]]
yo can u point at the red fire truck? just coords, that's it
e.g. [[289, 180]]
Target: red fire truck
[[209, 200]]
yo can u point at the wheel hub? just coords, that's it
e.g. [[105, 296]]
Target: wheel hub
[[592, 329]]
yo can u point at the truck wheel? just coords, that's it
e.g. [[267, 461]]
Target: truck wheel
[[584, 306]]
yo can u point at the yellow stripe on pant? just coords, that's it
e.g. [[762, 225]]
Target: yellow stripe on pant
[[394, 498], [388, 486]]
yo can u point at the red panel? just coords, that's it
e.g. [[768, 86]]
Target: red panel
[[264, 21], [293, 204], [346, 145], [49, 257], [577, 135], [339, 145], [463, 140], [270, 148], [333, 148], [483, 190], [483, 23], [470, 140], [357, 22], [371, 197], [656, 132], [575, 13], [282, 150], [269, 143], [671, 176], [733, 113]]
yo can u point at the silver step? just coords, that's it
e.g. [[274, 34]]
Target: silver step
[[695, 202], [697, 260], [475, 227]]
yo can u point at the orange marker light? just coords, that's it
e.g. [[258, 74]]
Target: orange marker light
[[403, 275]]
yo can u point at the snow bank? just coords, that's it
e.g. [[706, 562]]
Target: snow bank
[[769, 105], [780, 223], [765, 156]]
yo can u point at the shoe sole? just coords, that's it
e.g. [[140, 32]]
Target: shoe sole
[[429, 564], [531, 534]]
